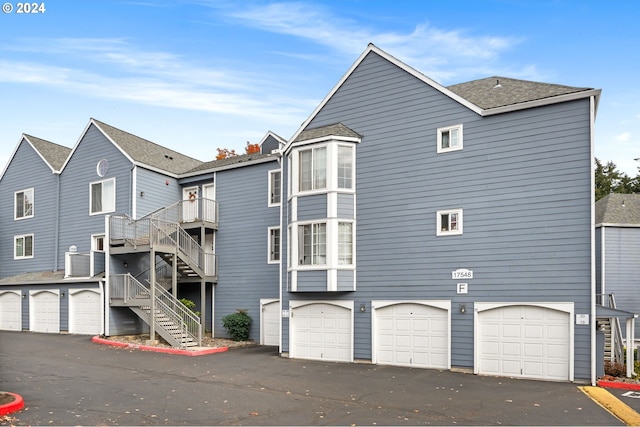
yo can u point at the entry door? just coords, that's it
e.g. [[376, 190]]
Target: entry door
[[190, 204], [209, 204]]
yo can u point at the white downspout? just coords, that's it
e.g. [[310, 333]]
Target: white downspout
[[593, 242]]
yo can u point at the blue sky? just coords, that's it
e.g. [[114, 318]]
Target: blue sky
[[195, 75]]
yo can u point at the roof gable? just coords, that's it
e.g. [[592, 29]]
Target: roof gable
[[53, 155], [618, 208], [337, 130], [515, 94], [146, 153]]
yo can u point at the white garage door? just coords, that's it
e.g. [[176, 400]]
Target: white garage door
[[322, 331], [411, 334], [85, 312], [44, 312], [10, 311], [524, 341], [270, 323]]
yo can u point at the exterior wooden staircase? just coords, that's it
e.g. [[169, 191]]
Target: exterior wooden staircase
[[172, 320]]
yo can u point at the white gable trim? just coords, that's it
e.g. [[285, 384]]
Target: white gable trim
[[395, 61]]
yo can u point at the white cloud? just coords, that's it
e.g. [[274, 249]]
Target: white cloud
[[623, 137], [437, 52], [112, 69]]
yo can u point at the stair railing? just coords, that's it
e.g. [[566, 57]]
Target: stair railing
[[616, 333], [189, 323], [166, 305], [171, 234]]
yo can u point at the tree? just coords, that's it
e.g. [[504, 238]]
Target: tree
[[224, 153], [609, 180]]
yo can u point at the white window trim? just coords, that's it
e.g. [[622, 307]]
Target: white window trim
[[102, 212], [23, 236], [269, 258], [332, 148], [439, 138], [15, 204], [94, 242], [439, 231], [352, 147], [270, 198]]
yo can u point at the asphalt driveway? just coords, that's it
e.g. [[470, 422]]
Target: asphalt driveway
[[69, 380]]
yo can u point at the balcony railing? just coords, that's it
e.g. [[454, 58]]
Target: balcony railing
[[83, 264]]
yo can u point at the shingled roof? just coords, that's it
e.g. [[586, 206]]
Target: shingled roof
[[148, 153], [337, 129], [229, 161], [494, 92], [52, 153], [618, 208]]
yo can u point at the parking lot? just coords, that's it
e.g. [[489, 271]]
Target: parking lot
[[69, 380]]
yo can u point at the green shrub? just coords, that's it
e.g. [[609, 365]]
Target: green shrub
[[190, 305], [237, 325]]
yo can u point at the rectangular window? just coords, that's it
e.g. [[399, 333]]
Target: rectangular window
[[275, 181], [102, 196], [312, 169], [345, 243], [23, 247], [312, 244], [449, 139], [274, 245], [345, 167], [449, 222], [23, 204], [97, 242]]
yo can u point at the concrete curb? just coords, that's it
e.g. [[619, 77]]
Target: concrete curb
[[11, 407], [618, 384], [612, 404], [201, 351]]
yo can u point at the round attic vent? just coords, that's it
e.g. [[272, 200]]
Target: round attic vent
[[103, 167]]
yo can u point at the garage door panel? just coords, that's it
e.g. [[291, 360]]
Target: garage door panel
[[271, 323], [410, 334], [533, 342], [321, 331], [10, 311], [44, 314], [85, 312]]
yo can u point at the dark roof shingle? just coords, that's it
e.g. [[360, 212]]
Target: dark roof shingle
[[618, 208], [494, 92], [149, 153], [337, 129], [53, 154]]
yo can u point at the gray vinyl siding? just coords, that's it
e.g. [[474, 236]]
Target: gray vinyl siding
[[312, 207], [242, 244], [346, 280], [76, 224], [159, 191], [123, 321], [522, 180], [42, 225], [622, 268], [346, 206], [312, 281], [598, 243]]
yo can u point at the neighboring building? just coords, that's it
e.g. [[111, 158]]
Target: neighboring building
[[404, 223], [618, 252], [442, 227]]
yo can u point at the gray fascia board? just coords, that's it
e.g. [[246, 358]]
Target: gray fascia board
[[542, 102], [227, 167]]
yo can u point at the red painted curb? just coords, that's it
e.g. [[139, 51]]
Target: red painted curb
[[178, 351], [618, 384], [11, 407]]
